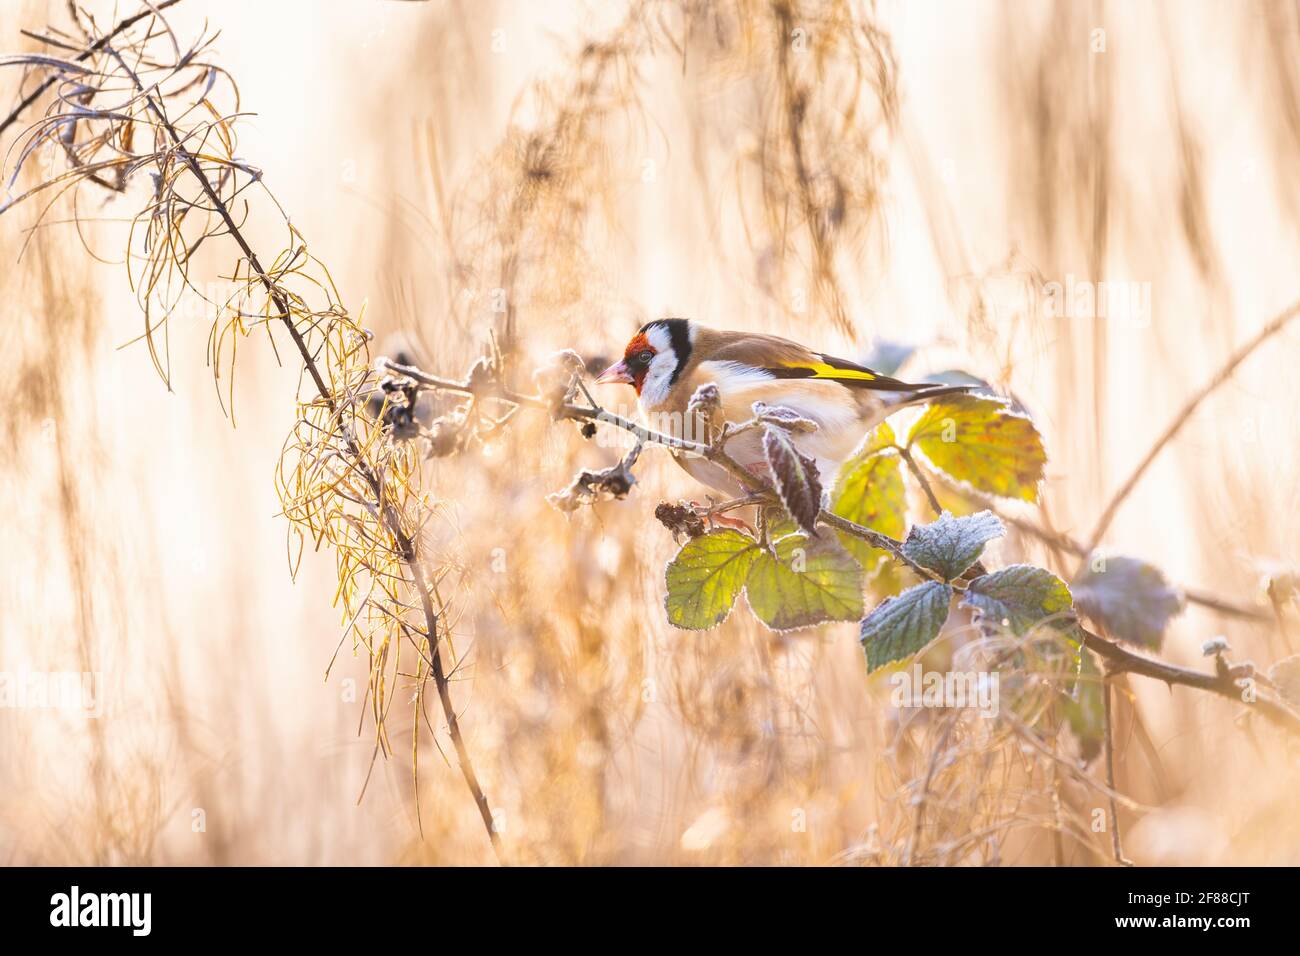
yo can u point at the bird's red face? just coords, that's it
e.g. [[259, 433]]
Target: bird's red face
[[635, 364]]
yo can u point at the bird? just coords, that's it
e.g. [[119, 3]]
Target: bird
[[668, 359]]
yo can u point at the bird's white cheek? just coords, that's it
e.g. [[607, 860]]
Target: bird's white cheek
[[654, 390]]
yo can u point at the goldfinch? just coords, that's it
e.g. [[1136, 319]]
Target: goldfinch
[[668, 359]]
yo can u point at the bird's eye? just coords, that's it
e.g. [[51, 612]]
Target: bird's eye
[[645, 357]]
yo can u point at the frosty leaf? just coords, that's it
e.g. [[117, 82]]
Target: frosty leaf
[[706, 576], [1128, 598], [797, 481], [950, 545], [869, 491], [1020, 598], [808, 582], [983, 442], [902, 625]]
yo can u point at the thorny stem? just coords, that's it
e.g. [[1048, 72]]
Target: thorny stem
[[406, 546], [1121, 660]]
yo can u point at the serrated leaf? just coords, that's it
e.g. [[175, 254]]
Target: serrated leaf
[[1129, 598], [983, 442], [1020, 598], [797, 481], [706, 576], [869, 491], [810, 581], [950, 545], [901, 625]]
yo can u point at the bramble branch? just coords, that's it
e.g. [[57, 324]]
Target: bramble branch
[[1225, 682]]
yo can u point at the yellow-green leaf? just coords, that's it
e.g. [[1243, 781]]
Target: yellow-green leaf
[[983, 442], [869, 491], [810, 581]]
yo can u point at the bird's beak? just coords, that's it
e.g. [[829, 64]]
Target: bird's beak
[[615, 374]]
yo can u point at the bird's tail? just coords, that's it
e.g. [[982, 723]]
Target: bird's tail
[[920, 394]]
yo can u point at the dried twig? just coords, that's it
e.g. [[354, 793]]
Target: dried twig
[[1108, 743], [1276, 325], [121, 27], [1062, 542]]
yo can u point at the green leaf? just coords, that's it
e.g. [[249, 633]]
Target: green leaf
[[950, 545], [900, 626], [1128, 598], [1083, 711], [797, 480], [706, 576], [983, 442], [810, 581], [1020, 598], [869, 491]]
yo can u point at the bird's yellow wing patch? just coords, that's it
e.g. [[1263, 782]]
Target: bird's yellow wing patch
[[831, 369], [839, 373]]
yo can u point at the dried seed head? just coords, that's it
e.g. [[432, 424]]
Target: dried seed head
[[680, 519]]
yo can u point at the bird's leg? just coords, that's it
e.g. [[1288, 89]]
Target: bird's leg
[[727, 521], [718, 518]]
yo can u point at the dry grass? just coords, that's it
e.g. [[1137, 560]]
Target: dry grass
[[600, 166]]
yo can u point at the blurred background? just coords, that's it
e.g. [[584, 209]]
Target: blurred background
[[557, 173]]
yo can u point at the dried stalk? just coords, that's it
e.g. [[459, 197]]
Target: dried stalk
[[168, 255], [1273, 327]]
